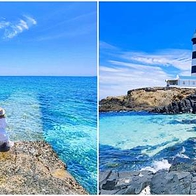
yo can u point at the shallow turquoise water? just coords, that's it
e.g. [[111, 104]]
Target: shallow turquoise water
[[60, 110], [134, 140]]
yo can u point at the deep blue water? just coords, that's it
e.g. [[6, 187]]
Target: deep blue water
[[138, 140], [60, 110]]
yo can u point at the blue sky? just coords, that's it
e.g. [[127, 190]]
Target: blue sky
[[144, 43], [40, 38]]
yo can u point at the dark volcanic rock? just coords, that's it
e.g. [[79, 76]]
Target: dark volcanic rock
[[125, 182], [34, 168], [171, 183], [187, 167], [103, 176], [161, 182], [187, 105], [111, 181]]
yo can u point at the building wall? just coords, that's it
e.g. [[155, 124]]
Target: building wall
[[190, 83]]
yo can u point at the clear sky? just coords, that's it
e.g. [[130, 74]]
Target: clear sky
[[144, 43], [40, 38]]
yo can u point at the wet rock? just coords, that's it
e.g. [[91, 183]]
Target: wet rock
[[193, 192], [193, 186], [111, 181], [194, 179], [146, 191], [103, 176], [137, 185], [127, 174], [171, 183], [145, 182], [126, 182], [108, 192], [187, 167]]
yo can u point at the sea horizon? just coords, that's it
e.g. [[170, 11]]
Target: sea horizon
[[63, 112]]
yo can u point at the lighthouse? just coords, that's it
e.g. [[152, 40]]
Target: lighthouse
[[193, 67], [186, 81]]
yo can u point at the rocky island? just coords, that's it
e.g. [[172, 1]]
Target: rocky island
[[34, 168], [158, 99]]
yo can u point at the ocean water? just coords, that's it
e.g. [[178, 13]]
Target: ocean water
[[139, 140], [60, 110]]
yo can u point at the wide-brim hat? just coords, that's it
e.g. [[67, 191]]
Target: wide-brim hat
[[2, 112]]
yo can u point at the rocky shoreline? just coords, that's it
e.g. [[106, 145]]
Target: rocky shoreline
[[146, 182], [180, 178], [186, 105], [34, 168], [174, 175], [158, 99]]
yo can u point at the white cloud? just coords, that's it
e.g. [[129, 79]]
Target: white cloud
[[117, 81], [104, 45], [30, 20], [140, 69], [12, 29], [23, 24], [178, 58], [4, 24]]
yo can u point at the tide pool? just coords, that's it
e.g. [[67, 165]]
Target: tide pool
[[135, 140], [60, 110]]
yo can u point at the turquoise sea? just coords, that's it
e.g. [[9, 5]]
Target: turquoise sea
[[60, 110], [139, 140]]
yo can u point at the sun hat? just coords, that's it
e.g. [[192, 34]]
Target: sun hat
[[2, 112]]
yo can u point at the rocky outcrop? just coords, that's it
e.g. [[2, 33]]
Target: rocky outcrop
[[147, 182], [112, 182], [187, 105], [34, 168], [146, 99], [174, 174]]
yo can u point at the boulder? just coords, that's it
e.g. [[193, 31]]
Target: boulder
[[128, 182], [171, 183]]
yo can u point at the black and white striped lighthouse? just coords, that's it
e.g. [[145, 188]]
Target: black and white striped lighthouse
[[193, 68]]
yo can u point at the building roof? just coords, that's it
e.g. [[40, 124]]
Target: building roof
[[182, 78], [187, 77]]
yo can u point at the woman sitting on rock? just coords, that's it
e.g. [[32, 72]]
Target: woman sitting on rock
[[5, 144]]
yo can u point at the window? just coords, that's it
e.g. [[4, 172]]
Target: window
[[193, 82], [183, 82], [193, 69]]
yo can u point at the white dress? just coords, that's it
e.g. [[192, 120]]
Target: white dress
[[3, 134]]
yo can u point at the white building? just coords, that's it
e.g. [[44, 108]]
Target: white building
[[182, 81], [186, 81]]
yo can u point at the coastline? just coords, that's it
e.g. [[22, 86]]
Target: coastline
[[34, 168], [174, 176], [145, 99]]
